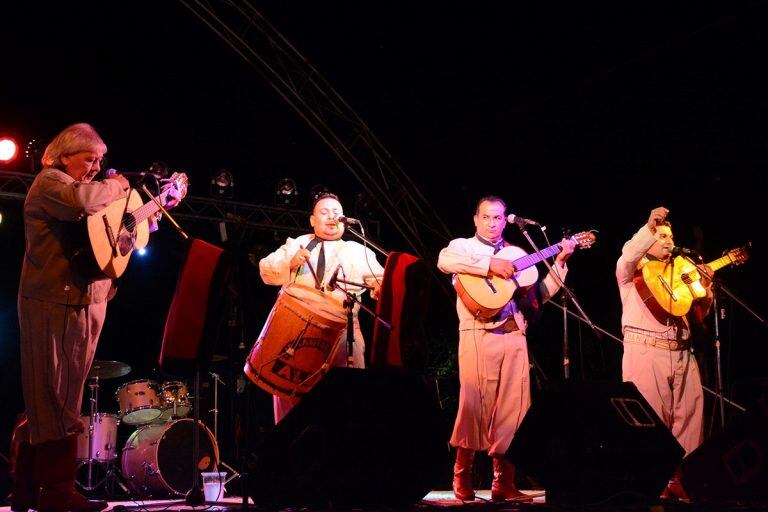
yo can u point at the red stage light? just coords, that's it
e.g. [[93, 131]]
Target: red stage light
[[8, 149]]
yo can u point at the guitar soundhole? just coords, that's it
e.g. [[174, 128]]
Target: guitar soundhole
[[129, 222]]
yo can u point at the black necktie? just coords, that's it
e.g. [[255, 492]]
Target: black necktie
[[321, 262], [496, 247]]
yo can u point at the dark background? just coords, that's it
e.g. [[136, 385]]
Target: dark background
[[583, 115]]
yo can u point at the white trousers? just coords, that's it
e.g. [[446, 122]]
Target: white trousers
[[495, 390], [669, 380]]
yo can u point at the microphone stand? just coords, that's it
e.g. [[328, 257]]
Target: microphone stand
[[365, 240], [567, 296], [349, 305], [718, 358]]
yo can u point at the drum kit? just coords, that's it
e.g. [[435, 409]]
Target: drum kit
[[156, 459]]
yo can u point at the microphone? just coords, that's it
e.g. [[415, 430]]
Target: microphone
[[332, 281], [677, 251], [520, 221], [347, 220]]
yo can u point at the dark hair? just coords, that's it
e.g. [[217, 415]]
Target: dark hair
[[490, 199], [324, 195]]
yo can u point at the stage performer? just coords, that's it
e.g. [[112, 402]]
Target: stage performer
[[657, 351], [61, 314], [329, 255], [493, 354]]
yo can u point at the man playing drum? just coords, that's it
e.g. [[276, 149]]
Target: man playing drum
[[291, 266]]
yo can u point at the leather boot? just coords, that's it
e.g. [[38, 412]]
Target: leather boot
[[56, 463], [462, 474], [503, 487], [25, 485]]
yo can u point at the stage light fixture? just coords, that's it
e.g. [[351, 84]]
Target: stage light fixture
[[286, 192], [8, 149], [223, 185], [142, 251]]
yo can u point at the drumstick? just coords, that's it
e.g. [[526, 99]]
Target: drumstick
[[318, 284]]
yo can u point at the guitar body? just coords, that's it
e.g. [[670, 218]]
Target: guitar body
[[486, 296], [671, 289], [113, 234], [661, 287]]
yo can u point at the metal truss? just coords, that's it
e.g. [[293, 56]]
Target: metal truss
[[15, 185], [295, 80]]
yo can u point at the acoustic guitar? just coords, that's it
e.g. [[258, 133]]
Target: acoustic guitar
[[485, 296], [669, 289], [116, 231]]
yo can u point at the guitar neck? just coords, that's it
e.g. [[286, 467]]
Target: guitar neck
[[532, 259], [720, 263], [150, 207]]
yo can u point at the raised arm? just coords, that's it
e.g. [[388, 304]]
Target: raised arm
[[634, 249], [66, 199]]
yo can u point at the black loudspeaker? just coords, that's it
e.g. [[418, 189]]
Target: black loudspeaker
[[594, 443], [731, 466], [359, 438]]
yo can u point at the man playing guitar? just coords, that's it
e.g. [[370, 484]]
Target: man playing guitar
[[657, 356], [493, 353]]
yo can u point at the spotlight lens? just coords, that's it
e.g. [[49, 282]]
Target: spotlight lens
[[8, 149], [142, 251]]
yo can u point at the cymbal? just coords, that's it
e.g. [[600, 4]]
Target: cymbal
[[108, 370]]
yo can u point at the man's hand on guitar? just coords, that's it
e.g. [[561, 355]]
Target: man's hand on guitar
[[567, 248], [501, 267], [174, 196], [658, 215]]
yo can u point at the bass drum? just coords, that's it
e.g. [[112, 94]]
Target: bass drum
[[157, 458]]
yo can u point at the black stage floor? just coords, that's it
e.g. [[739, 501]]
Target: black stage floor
[[444, 501]]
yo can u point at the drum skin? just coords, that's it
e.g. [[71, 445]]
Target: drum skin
[[157, 459], [139, 401]]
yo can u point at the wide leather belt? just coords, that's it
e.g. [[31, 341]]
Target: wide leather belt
[[652, 341]]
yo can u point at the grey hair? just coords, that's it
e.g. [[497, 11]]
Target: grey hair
[[73, 139]]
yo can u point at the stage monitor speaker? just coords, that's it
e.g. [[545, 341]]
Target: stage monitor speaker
[[359, 438], [595, 443], [732, 466]]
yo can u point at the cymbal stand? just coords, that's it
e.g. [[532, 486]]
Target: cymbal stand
[[216, 381]]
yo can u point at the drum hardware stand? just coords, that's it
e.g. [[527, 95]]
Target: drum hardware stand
[[112, 474], [216, 381]]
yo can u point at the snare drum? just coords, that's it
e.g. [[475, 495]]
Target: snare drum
[[157, 459], [175, 400], [298, 342], [103, 438], [139, 402]]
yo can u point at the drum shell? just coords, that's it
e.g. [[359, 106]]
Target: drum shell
[[157, 458], [139, 401], [306, 321], [104, 439]]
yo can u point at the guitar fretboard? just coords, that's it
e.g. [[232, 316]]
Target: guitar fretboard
[[720, 262], [532, 259], [147, 209]]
